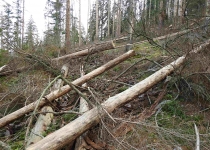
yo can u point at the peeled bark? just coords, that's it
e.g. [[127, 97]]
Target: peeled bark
[[74, 129], [94, 49], [65, 89]]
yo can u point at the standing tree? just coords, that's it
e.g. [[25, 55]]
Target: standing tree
[[92, 24], [108, 20], [31, 37], [80, 36], [6, 27], [131, 18], [97, 15], [118, 30], [23, 23], [17, 24], [54, 16], [67, 35]]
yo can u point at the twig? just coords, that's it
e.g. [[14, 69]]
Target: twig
[[37, 104], [100, 105], [4, 146], [74, 88], [112, 134], [118, 82], [137, 63], [197, 73], [149, 112], [60, 113], [129, 68], [197, 147]]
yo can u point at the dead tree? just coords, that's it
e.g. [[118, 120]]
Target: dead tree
[[44, 120], [75, 128], [94, 49], [63, 90]]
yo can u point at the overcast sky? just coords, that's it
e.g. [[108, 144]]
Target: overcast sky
[[35, 8]]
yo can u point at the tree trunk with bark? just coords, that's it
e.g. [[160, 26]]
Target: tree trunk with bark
[[97, 32], [118, 30], [80, 33], [131, 18], [23, 23], [108, 20], [74, 129], [94, 49], [67, 35], [63, 90]]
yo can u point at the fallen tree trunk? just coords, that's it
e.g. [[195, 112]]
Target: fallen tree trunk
[[44, 120], [68, 133], [94, 49], [169, 35], [65, 89]]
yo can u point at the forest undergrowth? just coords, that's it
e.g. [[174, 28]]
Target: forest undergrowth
[[183, 98]]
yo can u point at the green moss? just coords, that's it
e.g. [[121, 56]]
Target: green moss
[[148, 50], [123, 88], [51, 128], [173, 108], [69, 117], [116, 68], [18, 143]]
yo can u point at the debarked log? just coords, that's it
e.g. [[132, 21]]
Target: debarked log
[[93, 49], [44, 120], [65, 89], [71, 131]]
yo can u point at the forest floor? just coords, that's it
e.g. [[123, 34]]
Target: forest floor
[[171, 127]]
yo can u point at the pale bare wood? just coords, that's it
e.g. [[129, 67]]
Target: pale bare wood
[[65, 89], [3, 67], [94, 49], [71, 131], [83, 107], [44, 120]]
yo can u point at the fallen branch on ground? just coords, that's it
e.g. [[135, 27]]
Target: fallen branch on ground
[[65, 89], [74, 129], [94, 49], [44, 120]]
